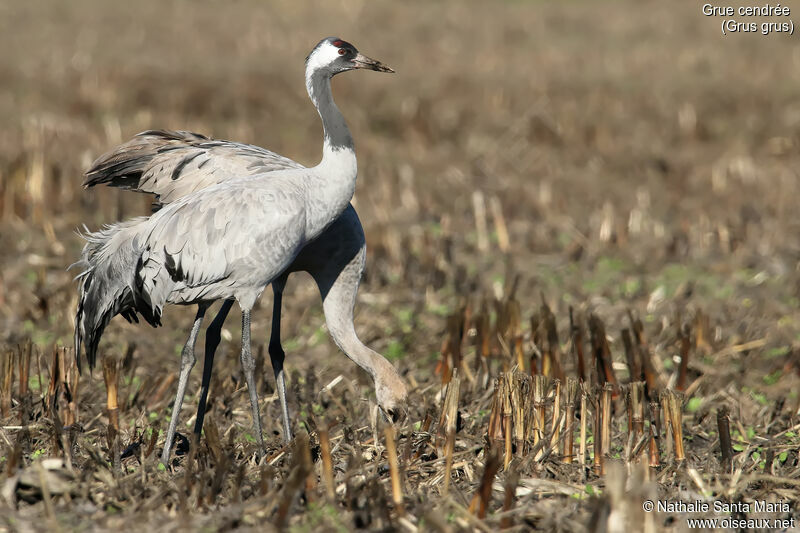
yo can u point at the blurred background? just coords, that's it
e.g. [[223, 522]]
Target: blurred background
[[607, 155]]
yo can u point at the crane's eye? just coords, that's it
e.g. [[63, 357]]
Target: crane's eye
[[342, 51]]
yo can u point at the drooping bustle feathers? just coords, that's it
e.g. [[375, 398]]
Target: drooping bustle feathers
[[107, 285]]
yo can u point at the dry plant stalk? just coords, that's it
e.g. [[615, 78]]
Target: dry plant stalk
[[508, 428], [310, 479], [667, 427], [62, 390], [552, 355], [501, 230], [634, 393], [643, 351], [483, 495], [495, 430], [576, 336], [683, 371], [301, 468], [636, 408], [24, 362], [155, 430], [191, 476], [70, 378], [211, 432], [606, 417], [448, 465], [539, 388], [111, 378], [536, 339], [161, 390], [655, 435], [483, 327], [481, 226], [463, 330], [6, 379], [394, 470], [724, 430], [14, 456], [327, 464], [457, 334], [519, 351], [626, 391], [520, 393], [24, 353], [501, 320], [509, 493], [634, 367], [55, 379], [443, 366], [555, 427], [635, 449], [513, 337], [451, 346], [601, 351], [597, 403], [584, 421], [541, 338], [570, 398], [428, 420], [508, 419], [673, 413], [701, 335], [466, 320], [449, 416]]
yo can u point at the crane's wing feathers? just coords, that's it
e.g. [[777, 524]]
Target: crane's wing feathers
[[172, 164], [248, 233]]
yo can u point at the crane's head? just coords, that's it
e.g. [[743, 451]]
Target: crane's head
[[333, 55], [392, 395]]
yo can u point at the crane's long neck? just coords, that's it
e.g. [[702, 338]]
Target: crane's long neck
[[338, 145], [338, 286], [335, 176]]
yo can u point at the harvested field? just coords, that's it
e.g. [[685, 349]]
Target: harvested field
[[583, 257]]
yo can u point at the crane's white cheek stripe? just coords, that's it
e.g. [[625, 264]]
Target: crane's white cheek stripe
[[322, 56]]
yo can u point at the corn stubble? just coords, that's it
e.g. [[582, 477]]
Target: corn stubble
[[548, 412]]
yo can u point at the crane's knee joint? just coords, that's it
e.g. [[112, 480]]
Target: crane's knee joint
[[187, 364], [187, 358]]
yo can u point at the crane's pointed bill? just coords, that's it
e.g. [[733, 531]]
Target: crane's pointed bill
[[362, 61]]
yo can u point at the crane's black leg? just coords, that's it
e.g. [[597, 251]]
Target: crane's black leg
[[249, 366], [277, 355], [212, 342], [187, 362]]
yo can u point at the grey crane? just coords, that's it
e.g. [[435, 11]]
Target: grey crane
[[230, 239], [171, 164]]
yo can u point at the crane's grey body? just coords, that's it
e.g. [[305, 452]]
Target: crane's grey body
[[232, 239], [225, 236]]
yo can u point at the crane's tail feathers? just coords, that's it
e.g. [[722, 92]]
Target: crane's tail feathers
[[107, 285]]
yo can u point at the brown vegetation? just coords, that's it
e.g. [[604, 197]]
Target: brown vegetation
[[582, 255]]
